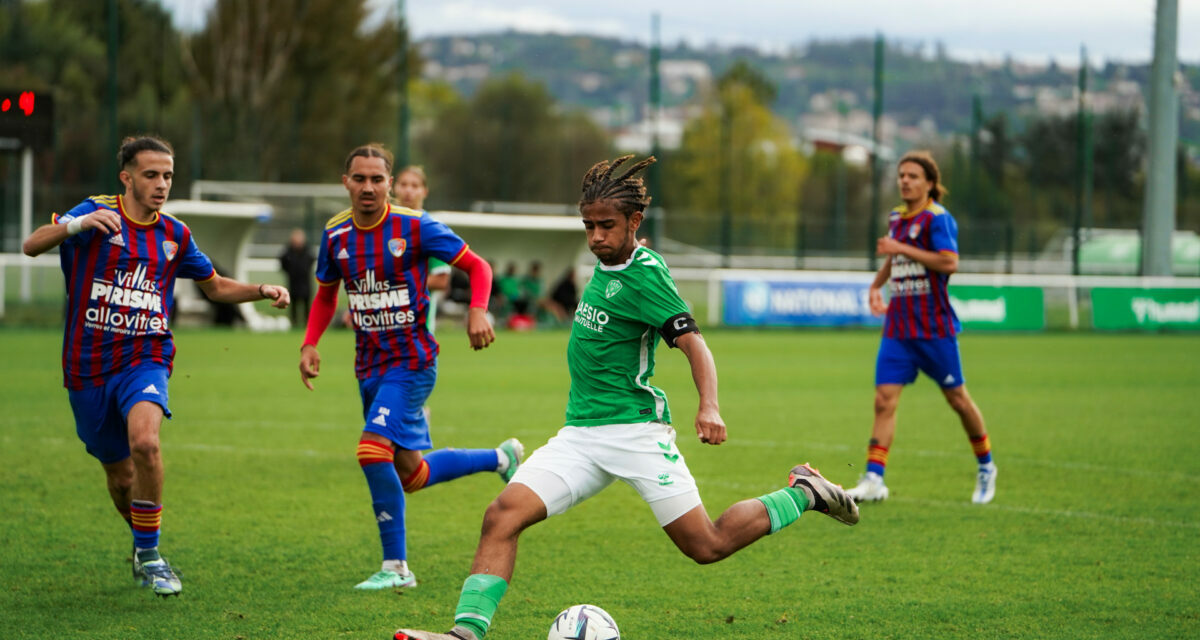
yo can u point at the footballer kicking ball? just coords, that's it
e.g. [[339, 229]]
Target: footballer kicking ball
[[584, 622]]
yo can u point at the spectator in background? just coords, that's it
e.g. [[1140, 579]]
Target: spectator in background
[[509, 285], [564, 297], [296, 262]]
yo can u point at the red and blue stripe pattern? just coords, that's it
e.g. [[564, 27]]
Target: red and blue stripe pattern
[[121, 290], [383, 268], [920, 301]]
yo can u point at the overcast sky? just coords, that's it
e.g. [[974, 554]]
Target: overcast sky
[[971, 29]]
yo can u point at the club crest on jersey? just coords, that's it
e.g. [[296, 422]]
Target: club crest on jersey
[[169, 249], [914, 231], [614, 286], [397, 246]]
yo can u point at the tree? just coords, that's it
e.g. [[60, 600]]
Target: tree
[[284, 88], [736, 133], [510, 142]]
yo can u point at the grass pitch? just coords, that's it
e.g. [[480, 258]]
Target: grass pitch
[[1093, 533]]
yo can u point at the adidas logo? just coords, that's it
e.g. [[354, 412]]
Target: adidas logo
[[383, 517], [342, 255], [379, 420], [117, 239], [949, 379], [151, 389]]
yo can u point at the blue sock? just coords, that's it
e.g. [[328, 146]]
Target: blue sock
[[448, 464], [388, 500]]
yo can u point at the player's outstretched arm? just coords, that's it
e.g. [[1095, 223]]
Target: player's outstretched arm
[[222, 289], [48, 236], [709, 425]]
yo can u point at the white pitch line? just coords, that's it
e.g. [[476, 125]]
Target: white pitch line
[[965, 452], [948, 504], [1057, 513]]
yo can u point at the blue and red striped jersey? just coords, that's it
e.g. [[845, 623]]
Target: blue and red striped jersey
[[121, 290], [384, 268], [920, 303]]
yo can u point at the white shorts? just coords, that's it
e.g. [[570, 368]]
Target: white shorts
[[580, 461]]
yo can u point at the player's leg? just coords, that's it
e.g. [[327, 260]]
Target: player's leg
[[943, 363], [894, 368], [418, 472], [119, 478], [557, 476], [705, 541], [142, 396], [376, 457], [387, 411], [516, 508]]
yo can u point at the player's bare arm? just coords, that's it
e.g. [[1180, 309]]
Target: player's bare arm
[[875, 291], [940, 261], [709, 426], [222, 289], [48, 236]]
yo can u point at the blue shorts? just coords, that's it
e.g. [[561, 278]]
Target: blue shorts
[[101, 413], [899, 360], [392, 406]]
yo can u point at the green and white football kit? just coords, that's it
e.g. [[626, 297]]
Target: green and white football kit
[[617, 423]]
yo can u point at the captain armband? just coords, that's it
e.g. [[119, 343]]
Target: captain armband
[[676, 326]]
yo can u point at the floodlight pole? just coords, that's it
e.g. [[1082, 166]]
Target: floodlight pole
[[654, 172], [1158, 216], [110, 177], [876, 135], [402, 78], [26, 215]]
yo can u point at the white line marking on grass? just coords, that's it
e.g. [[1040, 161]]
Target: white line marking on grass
[[1057, 513], [948, 504], [965, 454]]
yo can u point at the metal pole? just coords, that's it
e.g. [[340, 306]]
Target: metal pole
[[1083, 165], [1158, 217], [876, 135], [402, 155], [111, 184], [655, 173], [726, 186], [26, 216]]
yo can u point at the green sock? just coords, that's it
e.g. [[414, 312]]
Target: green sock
[[481, 595], [784, 506]]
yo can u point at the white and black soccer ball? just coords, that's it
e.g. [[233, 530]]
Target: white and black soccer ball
[[584, 622]]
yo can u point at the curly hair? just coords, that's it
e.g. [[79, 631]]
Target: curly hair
[[627, 193]]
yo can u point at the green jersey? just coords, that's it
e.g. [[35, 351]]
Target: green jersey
[[611, 350]]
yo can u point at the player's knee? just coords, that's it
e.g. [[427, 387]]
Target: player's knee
[[959, 400], [885, 404], [144, 447]]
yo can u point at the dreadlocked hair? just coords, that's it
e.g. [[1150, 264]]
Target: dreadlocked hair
[[627, 193]]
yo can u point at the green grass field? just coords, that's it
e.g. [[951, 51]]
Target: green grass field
[[1093, 533]]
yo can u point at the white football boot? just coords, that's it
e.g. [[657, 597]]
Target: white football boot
[[985, 484], [457, 633], [824, 496], [870, 488]]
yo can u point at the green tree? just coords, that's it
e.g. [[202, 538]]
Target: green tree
[[284, 88], [62, 46], [737, 133], [510, 142]]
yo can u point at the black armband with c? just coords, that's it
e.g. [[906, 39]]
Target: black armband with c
[[676, 326]]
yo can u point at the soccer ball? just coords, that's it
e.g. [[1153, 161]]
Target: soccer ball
[[584, 622]]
